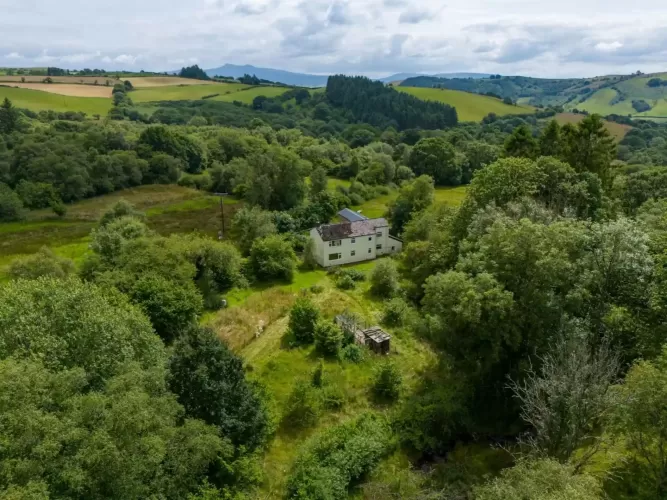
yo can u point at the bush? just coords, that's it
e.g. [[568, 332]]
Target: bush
[[272, 258], [396, 312], [303, 406], [318, 375], [354, 274], [330, 462], [387, 384], [11, 207], [384, 279], [328, 337], [303, 319], [316, 289], [42, 263], [345, 282], [353, 353], [333, 397]]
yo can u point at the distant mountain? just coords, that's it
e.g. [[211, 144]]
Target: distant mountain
[[404, 76], [275, 75], [463, 75], [399, 77]]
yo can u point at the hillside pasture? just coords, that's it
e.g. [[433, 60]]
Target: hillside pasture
[[68, 89], [617, 130], [141, 82], [469, 107], [78, 80], [37, 100], [247, 95], [183, 92]]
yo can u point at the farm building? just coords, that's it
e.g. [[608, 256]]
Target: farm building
[[374, 337], [355, 240]]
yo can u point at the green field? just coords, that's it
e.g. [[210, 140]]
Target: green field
[[228, 92], [470, 107], [617, 130], [36, 100], [246, 96]]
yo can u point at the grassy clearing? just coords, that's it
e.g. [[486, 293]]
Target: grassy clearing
[[169, 209], [470, 107], [183, 92], [452, 196], [617, 130], [165, 81], [37, 100], [280, 367], [246, 96]]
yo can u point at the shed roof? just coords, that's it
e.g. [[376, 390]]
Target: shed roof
[[346, 230], [351, 215], [377, 334]]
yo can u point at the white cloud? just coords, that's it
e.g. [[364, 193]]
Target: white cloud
[[374, 37]]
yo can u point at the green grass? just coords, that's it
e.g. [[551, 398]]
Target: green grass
[[452, 196], [470, 107], [36, 100], [617, 130], [600, 103], [247, 96], [279, 367], [183, 93]]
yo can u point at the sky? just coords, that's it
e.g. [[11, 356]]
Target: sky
[[563, 38]]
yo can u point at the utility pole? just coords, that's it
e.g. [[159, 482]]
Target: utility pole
[[222, 214]]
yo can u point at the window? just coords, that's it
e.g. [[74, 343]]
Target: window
[[378, 247], [370, 250], [353, 253], [354, 240], [393, 248], [370, 238], [379, 234], [335, 243], [334, 256]]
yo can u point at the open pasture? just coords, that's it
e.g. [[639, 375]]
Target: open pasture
[[78, 80], [37, 100], [470, 107], [617, 130], [75, 90], [141, 82], [184, 92]]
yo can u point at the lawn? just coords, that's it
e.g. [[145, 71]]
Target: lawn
[[279, 367], [36, 100], [469, 106], [378, 207]]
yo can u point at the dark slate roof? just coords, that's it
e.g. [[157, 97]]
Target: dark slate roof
[[377, 334], [351, 215], [346, 230]]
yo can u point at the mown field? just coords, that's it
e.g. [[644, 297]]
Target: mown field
[[74, 80], [37, 100], [470, 107], [68, 89], [617, 130]]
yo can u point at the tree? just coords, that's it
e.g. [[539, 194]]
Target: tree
[[437, 158], [318, 181], [589, 147], [194, 72], [11, 207], [412, 198], [640, 418], [9, 117], [126, 439], [384, 279], [568, 400], [550, 141], [387, 384], [272, 258], [108, 240], [251, 224], [163, 169], [309, 262], [328, 337], [544, 479], [303, 319], [210, 383], [42, 263], [121, 208], [70, 324], [172, 307], [521, 143]]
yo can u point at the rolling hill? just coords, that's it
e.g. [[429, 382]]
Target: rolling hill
[[469, 107], [274, 75]]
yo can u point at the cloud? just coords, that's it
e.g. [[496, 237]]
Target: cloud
[[338, 13], [413, 16], [248, 8], [13, 55]]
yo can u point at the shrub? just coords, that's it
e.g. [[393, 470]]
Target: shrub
[[59, 208], [384, 279], [303, 406], [396, 312], [272, 258], [345, 282], [387, 384], [333, 397], [308, 261], [11, 207], [353, 353], [42, 263], [353, 274], [318, 375], [316, 289], [303, 319], [328, 337], [330, 462]]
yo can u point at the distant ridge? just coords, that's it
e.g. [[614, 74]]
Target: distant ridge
[[274, 75], [404, 76]]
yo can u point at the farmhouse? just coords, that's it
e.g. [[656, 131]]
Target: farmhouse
[[355, 240]]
